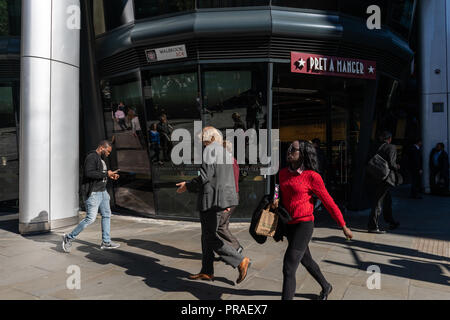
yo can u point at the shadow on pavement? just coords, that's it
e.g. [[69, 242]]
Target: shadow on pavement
[[10, 226], [164, 278], [405, 268], [161, 249]]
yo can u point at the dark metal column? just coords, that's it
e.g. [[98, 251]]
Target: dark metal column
[[269, 119], [357, 196], [91, 101]]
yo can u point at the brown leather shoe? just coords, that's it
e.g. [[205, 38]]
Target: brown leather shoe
[[202, 276], [243, 267]]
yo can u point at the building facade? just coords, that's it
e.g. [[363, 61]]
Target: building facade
[[236, 64]]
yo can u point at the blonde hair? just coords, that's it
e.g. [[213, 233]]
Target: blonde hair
[[210, 134]]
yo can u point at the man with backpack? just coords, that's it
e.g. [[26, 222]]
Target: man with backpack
[[385, 156]]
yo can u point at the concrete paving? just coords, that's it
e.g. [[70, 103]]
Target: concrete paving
[[156, 257]]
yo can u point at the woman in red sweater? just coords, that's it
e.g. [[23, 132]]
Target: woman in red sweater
[[298, 182]]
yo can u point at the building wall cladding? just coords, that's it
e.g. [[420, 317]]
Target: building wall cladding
[[273, 38]]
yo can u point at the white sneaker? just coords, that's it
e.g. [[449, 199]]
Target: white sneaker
[[109, 245], [66, 243]]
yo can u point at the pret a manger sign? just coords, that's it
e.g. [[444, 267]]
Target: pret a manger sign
[[308, 63]]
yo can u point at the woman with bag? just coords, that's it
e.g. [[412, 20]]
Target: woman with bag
[[298, 182]]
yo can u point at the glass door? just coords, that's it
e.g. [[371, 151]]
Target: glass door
[[9, 155], [126, 129]]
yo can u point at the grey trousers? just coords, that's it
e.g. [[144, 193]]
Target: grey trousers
[[224, 232], [211, 243]]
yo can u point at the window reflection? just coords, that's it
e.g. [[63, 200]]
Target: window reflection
[[10, 13], [235, 98], [402, 16], [126, 128], [9, 159], [171, 102]]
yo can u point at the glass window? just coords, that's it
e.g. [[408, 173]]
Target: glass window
[[150, 8], [9, 159], [99, 16], [231, 3], [117, 13], [126, 129], [235, 98], [10, 15], [402, 16], [171, 101], [330, 5]]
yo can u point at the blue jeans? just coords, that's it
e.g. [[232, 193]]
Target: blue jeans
[[96, 201]]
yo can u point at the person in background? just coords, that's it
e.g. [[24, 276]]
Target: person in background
[[382, 197], [120, 117], [223, 230], [298, 182], [95, 177], [238, 123], [217, 193], [136, 128], [154, 143], [165, 131], [439, 167], [126, 111], [415, 168]]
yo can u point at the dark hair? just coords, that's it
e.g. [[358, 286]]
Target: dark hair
[[104, 144], [385, 135], [442, 145], [308, 156]]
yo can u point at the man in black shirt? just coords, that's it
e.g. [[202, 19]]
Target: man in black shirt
[[95, 177]]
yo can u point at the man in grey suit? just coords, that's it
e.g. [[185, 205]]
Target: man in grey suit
[[383, 199], [217, 193]]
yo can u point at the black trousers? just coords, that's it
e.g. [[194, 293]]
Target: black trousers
[[212, 243], [298, 236], [437, 187], [223, 230], [416, 184], [382, 202]]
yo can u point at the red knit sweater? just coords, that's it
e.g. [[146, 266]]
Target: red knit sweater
[[296, 195]]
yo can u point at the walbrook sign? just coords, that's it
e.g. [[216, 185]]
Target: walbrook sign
[[308, 63]]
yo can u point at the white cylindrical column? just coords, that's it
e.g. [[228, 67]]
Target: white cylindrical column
[[49, 139], [434, 90]]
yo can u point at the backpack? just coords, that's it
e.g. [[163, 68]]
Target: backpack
[[378, 167]]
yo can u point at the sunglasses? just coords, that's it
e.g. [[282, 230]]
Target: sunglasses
[[291, 149]]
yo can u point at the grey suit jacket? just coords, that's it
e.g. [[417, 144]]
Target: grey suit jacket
[[216, 187], [389, 153]]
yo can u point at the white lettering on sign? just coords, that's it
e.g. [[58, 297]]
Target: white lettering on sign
[[167, 53]]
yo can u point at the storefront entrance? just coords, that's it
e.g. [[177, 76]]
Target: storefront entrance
[[322, 109]]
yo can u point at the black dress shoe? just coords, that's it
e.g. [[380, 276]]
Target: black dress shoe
[[378, 231], [324, 293]]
